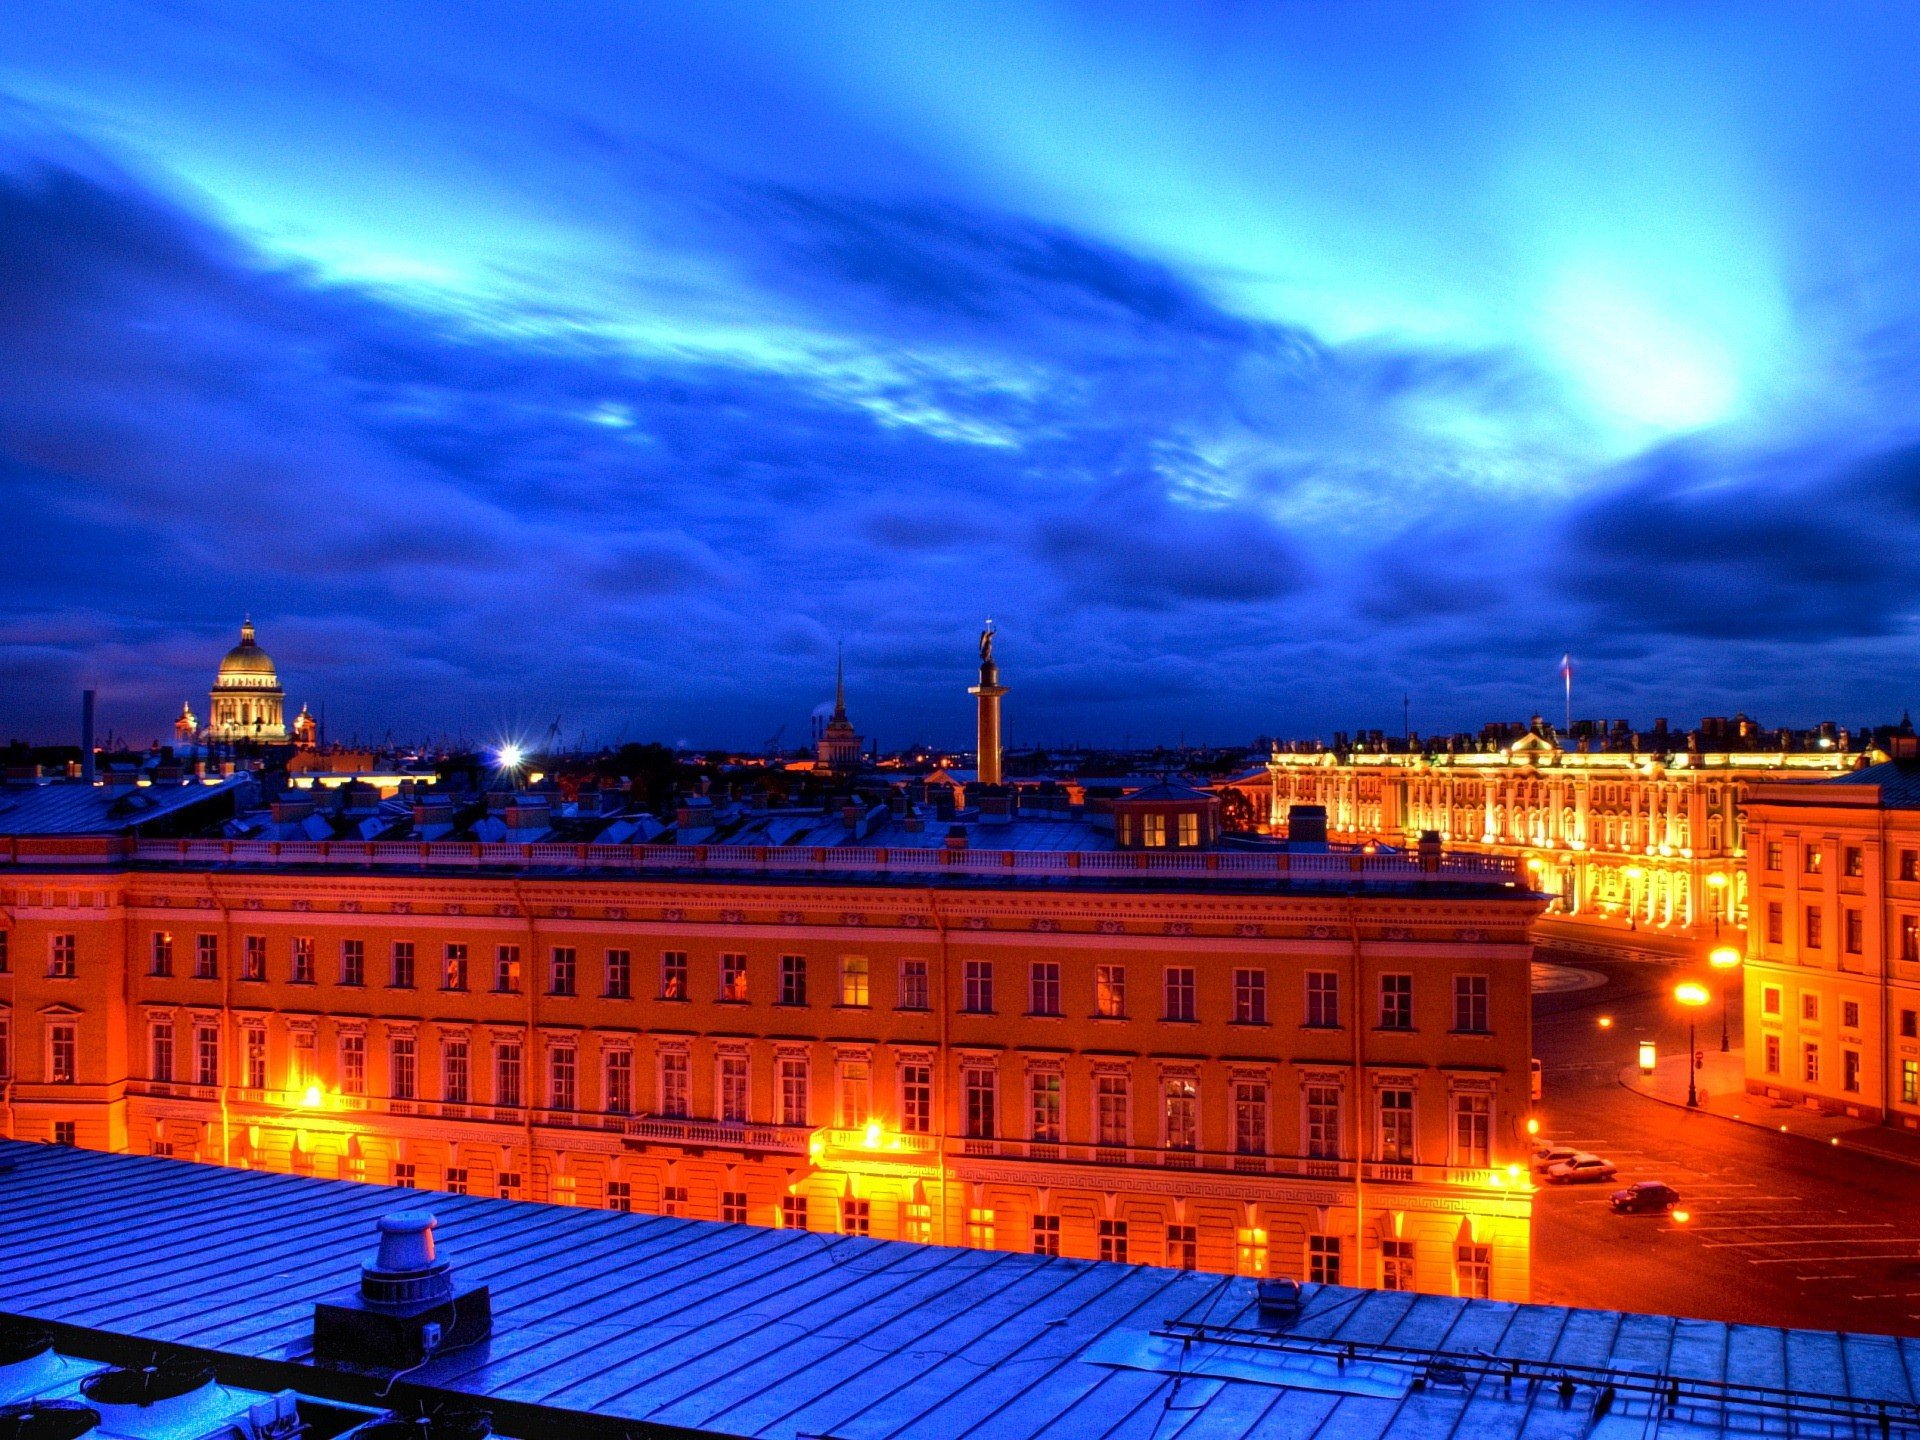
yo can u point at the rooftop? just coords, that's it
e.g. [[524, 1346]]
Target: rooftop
[[743, 1331], [71, 807]]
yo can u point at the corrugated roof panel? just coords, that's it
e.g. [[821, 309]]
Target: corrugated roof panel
[[777, 1334]]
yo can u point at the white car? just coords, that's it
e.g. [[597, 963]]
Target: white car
[[1548, 1156], [1580, 1169]]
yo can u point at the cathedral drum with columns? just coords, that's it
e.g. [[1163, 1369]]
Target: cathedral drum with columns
[[248, 702]]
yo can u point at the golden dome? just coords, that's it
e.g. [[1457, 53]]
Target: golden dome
[[247, 658]]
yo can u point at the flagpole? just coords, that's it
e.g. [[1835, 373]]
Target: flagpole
[[1566, 672]]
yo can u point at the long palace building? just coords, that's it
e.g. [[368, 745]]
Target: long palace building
[[1637, 849], [1115, 1035]]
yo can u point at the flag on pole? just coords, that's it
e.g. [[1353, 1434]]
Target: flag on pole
[[1566, 674]]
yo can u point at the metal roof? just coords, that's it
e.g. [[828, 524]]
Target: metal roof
[[73, 807], [738, 1330], [1899, 782]]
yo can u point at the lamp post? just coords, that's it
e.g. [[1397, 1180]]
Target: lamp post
[[1717, 882], [1726, 960], [1692, 996]]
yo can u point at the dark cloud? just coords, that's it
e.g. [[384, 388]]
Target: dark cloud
[[1808, 544]]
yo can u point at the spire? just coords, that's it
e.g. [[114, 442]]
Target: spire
[[246, 629]]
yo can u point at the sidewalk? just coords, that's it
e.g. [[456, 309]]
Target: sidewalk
[[1721, 1083]]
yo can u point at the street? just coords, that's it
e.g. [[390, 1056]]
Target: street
[[1782, 1230]]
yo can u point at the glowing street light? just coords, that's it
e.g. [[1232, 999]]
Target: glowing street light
[[1692, 996], [1726, 960]]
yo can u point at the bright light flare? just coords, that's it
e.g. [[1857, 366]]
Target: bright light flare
[[1605, 1022], [1690, 994], [509, 757], [872, 1140], [1680, 1217], [1725, 958], [312, 1097]]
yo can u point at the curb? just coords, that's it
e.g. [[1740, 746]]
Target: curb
[[1912, 1162]]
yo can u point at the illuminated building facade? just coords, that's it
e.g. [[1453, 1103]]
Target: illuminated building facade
[[247, 700], [1637, 850], [1309, 1065], [1832, 990]]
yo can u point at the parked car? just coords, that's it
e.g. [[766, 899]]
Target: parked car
[[1648, 1197], [1547, 1156], [1581, 1169]]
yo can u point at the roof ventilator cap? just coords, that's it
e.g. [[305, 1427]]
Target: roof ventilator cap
[[406, 1271]]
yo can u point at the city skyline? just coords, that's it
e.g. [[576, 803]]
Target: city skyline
[[1254, 370]]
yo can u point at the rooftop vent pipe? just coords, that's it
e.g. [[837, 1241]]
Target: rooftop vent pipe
[[407, 1306]]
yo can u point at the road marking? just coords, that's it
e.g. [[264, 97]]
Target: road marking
[[1848, 1259], [1874, 1295], [1849, 1225], [1782, 1244]]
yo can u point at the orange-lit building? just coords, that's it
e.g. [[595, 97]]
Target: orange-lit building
[[1832, 991], [1637, 849], [1308, 1064]]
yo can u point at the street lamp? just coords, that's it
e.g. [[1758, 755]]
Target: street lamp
[[1692, 996], [1726, 960], [1717, 882]]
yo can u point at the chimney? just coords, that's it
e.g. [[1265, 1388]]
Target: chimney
[[1307, 827], [407, 1306], [86, 737], [956, 837], [1430, 851]]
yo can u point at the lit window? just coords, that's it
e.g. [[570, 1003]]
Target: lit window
[[206, 957], [1189, 836], [733, 978], [162, 961], [1154, 828], [253, 957], [453, 966], [1110, 991], [673, 976], [1250, 1250], [980, 1228], [506, 969], [855, 988]]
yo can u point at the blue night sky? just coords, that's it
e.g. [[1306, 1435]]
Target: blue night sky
[[1251, 364]]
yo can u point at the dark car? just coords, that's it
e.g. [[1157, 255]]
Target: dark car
[[1649, 1197]]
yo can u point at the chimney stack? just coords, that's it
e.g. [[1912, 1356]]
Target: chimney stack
[[86, 736]]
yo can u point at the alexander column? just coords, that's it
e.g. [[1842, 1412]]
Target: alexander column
[[989, 690]]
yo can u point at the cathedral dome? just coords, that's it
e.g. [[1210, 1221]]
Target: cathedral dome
[[247, 659]]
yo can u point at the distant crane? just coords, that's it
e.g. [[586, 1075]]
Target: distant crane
[[773, 742]]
